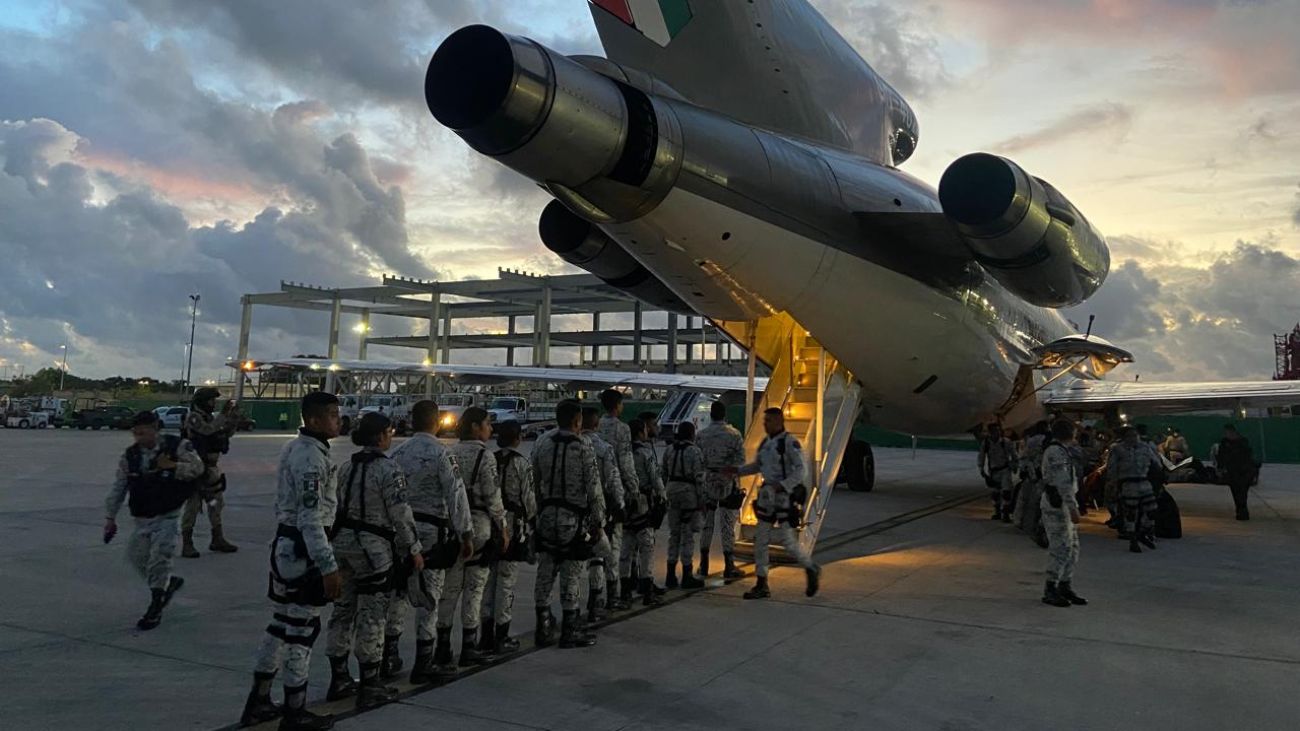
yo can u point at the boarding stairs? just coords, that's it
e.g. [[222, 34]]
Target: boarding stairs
[[820, 399]]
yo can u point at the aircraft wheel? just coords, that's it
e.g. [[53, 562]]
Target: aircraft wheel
[[859, 469]]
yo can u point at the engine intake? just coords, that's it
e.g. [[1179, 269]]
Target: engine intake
[[1024, 231]]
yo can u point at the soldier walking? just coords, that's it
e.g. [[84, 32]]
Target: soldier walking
[[779, 504], [998, 461], [1130, 464], [304, 573], [210, 434], [724, 452]]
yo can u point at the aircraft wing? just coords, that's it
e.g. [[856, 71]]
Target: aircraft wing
[[1137, 397], [486, 374]]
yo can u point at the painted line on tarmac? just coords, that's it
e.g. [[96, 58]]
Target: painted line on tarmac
[[345, 709]]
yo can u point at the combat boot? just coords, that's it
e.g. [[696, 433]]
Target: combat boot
[[760, 590], [153, 615], [571, 633], [814, 577], [259, 708], [444, 661], [614, 597], [342, 684], [392, 663], [1052, 596], [670, 581], [729, 570], [372, 692], [422, 668], [595, 612], [296, 716], [187, 545], [625, 587], [544, 635], [219, 542], [487, 642], [689, 580], [704, 565], [470, 654], [1067, 591], [1133, 546], [174, 585], [505, 644], [1148, 540], [649, 597]]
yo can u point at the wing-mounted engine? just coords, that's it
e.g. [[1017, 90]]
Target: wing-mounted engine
[[1023, 231]]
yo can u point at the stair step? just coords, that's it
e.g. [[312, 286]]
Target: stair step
[[813, 353], [800, 411], [798, 427], [803, 394]]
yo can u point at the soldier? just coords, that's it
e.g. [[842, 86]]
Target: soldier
[[683, 468], [1237, 463], [467, 580], [515, 472], [1060, 515], [998, 462], [440, 507], [571, 514], [619, 437], [1130, 464], [210, 434], [374, 530], [304, 573], [604, 559], [642, 507], [157, 477], [1030, 492], [651, 421], [779, 503], [724, 453]]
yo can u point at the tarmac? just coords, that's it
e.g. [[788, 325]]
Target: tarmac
[[928, 619]]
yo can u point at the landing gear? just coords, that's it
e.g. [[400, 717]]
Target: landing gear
[[859, 467]]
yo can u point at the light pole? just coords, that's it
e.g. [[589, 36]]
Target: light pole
[[63, 371], [194, 316]]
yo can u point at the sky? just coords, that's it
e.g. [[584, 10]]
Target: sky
[[150, 149]]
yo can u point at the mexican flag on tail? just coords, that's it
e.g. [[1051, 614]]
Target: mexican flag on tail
[[658, 20]]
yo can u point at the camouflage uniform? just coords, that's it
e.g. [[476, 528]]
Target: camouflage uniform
[[570, 510], [435, 493], [305, 504], [469, 577], [999, 459], [210, 434], [600, 569], [723, 447], [638, 535], [520, 500], [1059, 473], [152, 545], [1027, 514], [1130, 465], [375, 528], [683, 471], [780, 463]]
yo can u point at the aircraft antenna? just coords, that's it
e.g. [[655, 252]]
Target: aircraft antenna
[[1090, 319]]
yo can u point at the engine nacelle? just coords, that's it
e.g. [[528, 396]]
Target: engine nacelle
[[584, 245], [1023, 231]]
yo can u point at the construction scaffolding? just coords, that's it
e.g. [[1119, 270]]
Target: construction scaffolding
[[1287, 350]]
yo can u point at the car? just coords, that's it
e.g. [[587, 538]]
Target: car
[[28, 420], [101, 417], [174, 417]]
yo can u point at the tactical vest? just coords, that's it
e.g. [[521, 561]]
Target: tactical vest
[[555, 496], [677, 466], [155, 493]]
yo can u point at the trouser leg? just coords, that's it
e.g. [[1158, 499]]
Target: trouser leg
[[372, 616], [452, 588], [1056, 522], [645, 553], [570, 584], [547, 566], [628, 554], [164, 536], [487, 607], [342, 625], [503, 599], [398, 610], [1240, 490], [675, 530], [476, 578], [137, 552], [602, 558], [1146, 512], [615, 552], [426, 619], [708, 517], [762, 536], [290, 636], [728, 519], [790, 541], [191, 513], [1130, 501]]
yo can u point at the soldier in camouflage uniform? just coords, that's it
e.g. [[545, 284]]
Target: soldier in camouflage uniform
[[440, 506], [617, 434], [570, 514], [724, 453], [157, 475], [780, 464], [998, 461], [210, 434], [467, 580], [515, 472], [1130, 464], [1060, 510], [604, 560], [373, 531], [639, 530], [683, 471], [304, 573]]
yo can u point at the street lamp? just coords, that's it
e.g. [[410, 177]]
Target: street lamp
[[63, 371], [194, 316]]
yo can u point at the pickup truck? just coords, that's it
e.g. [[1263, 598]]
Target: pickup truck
[[450, 408], [111, 417], [531, 415]]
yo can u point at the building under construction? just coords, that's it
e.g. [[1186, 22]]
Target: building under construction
[[1287, 348]]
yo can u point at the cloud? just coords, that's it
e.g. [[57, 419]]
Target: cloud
[[899, 44], [1295, 215], [1112, 118]]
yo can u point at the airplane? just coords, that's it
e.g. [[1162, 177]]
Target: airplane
[[741, 161]]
